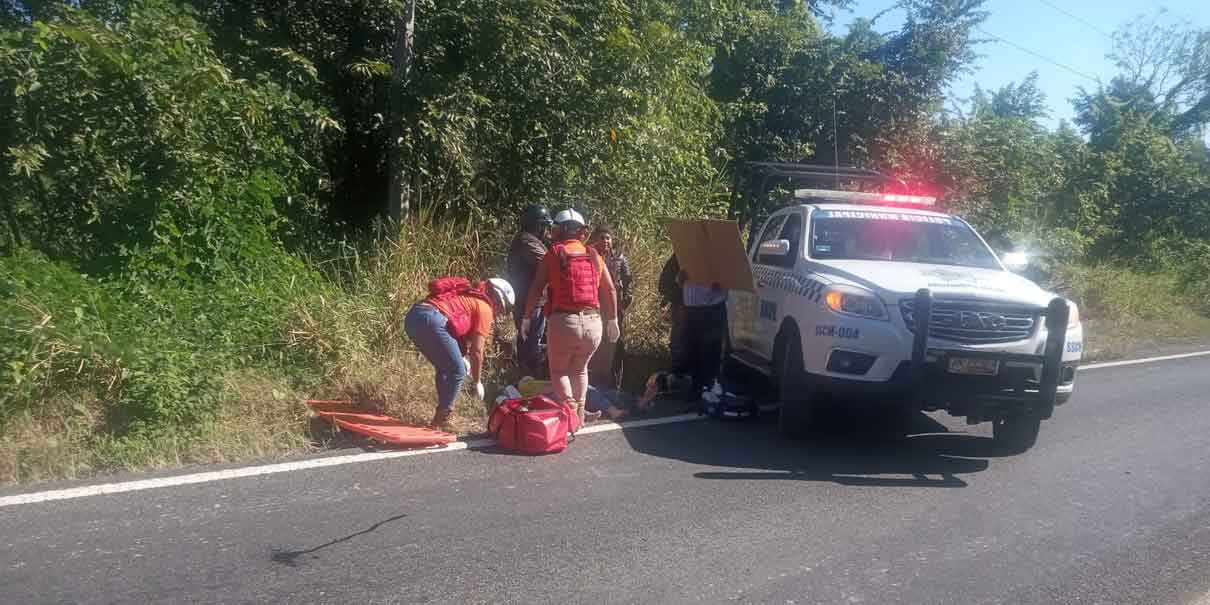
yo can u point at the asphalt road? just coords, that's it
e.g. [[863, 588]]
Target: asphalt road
[[1112, 506]]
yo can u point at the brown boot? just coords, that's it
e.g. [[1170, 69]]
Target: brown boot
[[441, 418]]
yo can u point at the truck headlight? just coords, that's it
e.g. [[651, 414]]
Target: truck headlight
[[849, 300]]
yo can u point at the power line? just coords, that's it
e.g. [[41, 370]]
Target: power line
[[1038, 55], [1077, 18]]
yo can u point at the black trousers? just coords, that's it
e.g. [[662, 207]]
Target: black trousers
[[702, 338], [677, 341]]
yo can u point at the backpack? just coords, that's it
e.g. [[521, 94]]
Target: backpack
[[534, 425], [445, 288], [581, 279]]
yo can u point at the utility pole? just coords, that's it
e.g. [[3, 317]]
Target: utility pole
[[401, 64], [12, 222]]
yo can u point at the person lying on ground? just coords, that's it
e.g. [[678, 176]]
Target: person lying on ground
[[610, 403]]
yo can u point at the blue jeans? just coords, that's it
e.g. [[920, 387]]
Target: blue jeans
[[426, 326], [599, 400]]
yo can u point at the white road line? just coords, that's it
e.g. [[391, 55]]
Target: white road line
[[605, 427], [1135, 362], [285, 467], [235, 473]]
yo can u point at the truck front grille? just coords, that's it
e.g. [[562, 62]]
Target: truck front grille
[[976, 323]]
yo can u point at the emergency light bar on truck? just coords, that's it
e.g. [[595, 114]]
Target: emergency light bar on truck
[[861, 197]]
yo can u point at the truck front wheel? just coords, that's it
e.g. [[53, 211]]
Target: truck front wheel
[[795, 391], [1016, 434]]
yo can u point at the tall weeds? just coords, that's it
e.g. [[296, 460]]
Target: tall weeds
[[354, 331]]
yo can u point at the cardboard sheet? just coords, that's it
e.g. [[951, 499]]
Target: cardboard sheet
[[711, 251]]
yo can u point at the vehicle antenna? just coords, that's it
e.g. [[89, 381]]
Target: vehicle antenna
[[835, 144]]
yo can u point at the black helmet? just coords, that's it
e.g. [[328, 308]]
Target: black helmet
[[535, 216]]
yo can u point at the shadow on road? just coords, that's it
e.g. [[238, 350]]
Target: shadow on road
[[918, 452], [291, 557]]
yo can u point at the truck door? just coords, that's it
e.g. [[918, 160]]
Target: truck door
[[744, 306], [775, 282]]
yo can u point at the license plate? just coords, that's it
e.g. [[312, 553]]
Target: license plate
[[974, 367]]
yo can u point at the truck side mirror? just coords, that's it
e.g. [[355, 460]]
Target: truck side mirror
[[1015, 261], [775, 247]]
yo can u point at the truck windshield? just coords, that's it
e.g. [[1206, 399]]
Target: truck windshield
[[896, 236]]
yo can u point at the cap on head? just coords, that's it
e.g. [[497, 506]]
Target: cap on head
[[503, 291], [570, 219]]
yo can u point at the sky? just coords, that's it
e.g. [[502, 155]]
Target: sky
[[1073, 33]]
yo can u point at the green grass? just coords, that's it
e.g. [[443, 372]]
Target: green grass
[[1127, 311], [67, 437]]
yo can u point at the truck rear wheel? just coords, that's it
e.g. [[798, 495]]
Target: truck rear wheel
[[795, 392], [1016, 434]]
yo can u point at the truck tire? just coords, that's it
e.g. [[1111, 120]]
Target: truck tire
[[1016, 434], [794, 390]]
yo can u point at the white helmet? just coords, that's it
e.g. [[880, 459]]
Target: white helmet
[[503, 291], [570, 216]]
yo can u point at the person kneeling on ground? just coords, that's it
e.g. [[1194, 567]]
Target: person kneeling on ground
[[456, 318]]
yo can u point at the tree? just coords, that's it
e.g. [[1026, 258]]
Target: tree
[[1163, 79], [1166, 67], [401, 67], [997, 162], [792, 92], [129, 144], [1145, 133], [1024, 101]]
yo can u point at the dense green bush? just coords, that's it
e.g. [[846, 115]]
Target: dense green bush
[[132, 147], [148, 195], [152, 355]]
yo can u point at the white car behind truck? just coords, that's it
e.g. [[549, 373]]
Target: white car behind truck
[[871, 298]]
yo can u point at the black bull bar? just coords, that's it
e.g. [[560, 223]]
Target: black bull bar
[[1042, 391]]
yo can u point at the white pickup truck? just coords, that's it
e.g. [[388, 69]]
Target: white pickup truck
[[874, 299]]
